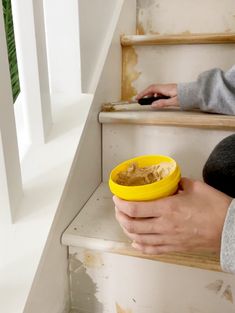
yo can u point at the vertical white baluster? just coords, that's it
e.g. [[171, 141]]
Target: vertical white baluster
[[30, 39], [62, 30], [10, 175]]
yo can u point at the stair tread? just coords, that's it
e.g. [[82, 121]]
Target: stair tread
[[136, 114], [96, 228], [188, 38]]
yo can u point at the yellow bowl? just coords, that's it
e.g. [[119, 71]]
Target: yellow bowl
[[163, 188]]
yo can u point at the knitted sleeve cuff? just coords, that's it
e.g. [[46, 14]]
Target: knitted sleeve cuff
[[227, 252], [188, 95]]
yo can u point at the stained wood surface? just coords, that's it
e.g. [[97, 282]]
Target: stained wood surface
[[201, 260], [181, 39], [136, 114]]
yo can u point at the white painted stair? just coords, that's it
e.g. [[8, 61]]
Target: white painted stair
[[100, 252], [106, 274]]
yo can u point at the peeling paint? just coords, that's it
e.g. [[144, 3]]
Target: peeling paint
[[227, 294], [140, 28], [165, 16], [146, 27], [92, 259], [82, 288], [129, 73], [119, 309], [215, 286]]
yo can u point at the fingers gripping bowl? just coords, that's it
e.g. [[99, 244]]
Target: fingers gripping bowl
[[165, 186]]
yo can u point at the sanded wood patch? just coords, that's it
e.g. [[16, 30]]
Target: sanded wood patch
[[129, 72]]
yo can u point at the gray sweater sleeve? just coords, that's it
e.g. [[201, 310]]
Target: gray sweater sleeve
[[214, 91], [227, 252]]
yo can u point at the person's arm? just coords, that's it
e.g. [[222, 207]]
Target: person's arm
[[214, 91], [198, 218], [227, 252]]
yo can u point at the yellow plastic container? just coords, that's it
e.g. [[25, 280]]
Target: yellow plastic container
[[163, 188]]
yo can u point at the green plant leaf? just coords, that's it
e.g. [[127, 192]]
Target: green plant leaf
[[10, 38]]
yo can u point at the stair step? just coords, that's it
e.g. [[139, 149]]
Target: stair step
[[136, 114], [177, 39], [96, 228]]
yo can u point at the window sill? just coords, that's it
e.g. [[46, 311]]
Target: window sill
[[45, 170]]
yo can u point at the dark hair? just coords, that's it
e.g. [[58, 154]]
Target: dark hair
[[219, 170]]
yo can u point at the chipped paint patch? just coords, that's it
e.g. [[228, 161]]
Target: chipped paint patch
[[83, 290], [119, 309], [145, 18], [129, 72], [215, 286], [227, 294], [166, 16], [140, 28], [144, 25], [92, 259]]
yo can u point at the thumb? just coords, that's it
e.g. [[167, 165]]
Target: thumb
[[166, 103]]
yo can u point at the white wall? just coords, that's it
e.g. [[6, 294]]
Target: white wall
[[62, 29], [95, 24]]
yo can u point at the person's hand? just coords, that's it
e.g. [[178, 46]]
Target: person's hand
[[191, 220], [161, 89]]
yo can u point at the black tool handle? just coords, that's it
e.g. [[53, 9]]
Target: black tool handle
[[150, 100]]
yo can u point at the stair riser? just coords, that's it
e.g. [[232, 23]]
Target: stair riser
[[145, 65], [181, 16], [190, 147], [107, 283]]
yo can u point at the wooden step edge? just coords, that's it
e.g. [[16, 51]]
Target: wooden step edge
[[95, 228], [205, 261], [177, 39], [169, 118]]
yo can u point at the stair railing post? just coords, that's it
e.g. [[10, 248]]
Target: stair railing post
[[30, 37]]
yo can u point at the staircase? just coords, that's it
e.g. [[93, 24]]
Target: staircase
[[173, 43]]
